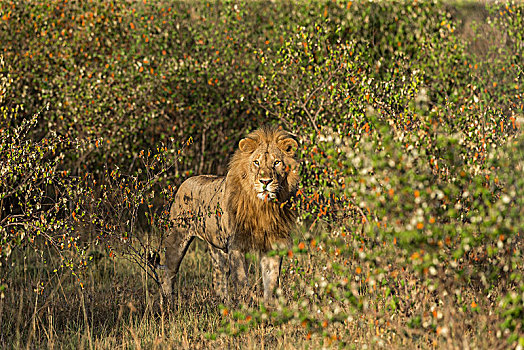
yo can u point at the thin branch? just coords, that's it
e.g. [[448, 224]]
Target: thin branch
[[311, 119], [312, 94], [134, 258]]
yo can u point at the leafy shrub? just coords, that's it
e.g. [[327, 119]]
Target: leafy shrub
[[410, 136], [35, 194], [410, 144]]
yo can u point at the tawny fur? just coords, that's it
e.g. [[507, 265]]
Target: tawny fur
[[258, 224], [247, 210]]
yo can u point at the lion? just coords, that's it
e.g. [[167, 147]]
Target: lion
[[247, 210]]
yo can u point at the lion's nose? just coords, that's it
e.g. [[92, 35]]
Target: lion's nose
[[266, 182]]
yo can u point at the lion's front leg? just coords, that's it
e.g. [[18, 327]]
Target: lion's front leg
[[238, 271], [225, 266], [270, 274]]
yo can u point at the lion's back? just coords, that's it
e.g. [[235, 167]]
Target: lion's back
[[198, 204], [196, 192]]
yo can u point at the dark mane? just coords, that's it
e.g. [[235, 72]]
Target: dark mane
[[260, 225]]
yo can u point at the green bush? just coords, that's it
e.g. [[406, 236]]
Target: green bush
[[409, 119], [35, 194]]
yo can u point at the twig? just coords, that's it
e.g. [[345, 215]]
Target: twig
[[133, 258], [202, 151], [310, 96]]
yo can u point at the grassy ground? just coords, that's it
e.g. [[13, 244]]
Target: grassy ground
[[114, 304], [119, 307]]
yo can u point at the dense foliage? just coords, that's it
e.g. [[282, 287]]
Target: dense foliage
[[409, 118]]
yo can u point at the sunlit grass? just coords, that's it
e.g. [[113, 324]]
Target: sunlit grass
[[409, 118], [120, 307]]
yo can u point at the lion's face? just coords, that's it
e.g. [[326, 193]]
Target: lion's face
[[269, 161], [267, 172]]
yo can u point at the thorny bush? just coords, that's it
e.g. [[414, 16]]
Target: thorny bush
[[410, 122]]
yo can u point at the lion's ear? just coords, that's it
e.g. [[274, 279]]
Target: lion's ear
[[288, 146], [247, 145]]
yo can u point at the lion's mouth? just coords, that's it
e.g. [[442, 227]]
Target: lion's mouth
[[266, 195]]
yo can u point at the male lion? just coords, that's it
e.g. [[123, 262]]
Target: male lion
[[246, 210]]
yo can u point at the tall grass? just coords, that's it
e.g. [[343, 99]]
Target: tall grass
[[120, 307], [410, 125]]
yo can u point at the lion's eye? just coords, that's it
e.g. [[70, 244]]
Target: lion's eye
[[256, 162], [277, 163]]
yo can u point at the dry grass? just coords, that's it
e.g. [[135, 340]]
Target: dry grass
[[119, 307]]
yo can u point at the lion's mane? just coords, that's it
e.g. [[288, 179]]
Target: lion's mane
[[260, 225]]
